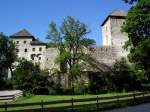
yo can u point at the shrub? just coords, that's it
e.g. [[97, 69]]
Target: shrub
[[41, 91], [29, 78]]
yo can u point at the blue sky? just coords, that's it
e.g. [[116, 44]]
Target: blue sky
[[35, 15]]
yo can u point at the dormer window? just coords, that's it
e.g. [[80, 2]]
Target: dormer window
[[33, 49], [24, 42], [25, 50]]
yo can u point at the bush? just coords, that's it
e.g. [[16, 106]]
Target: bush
[[40, 91], [68, 91], [81, 88], [29, 78]]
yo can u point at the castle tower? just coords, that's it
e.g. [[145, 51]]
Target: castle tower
[[30, 48], [111, 32]]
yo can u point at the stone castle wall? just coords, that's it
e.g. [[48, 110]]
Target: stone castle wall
[[109, 52], [119, 38], [103, 54], [50, 58], [113, 40]]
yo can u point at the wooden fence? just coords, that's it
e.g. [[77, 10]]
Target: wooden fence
[[97, 103]]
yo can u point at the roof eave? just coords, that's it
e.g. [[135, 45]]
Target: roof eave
[[20, 37], [123, 17], [44, 44]]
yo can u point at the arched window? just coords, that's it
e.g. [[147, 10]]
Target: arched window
[[24, 42], [25, 50], [17, 42], [33, 49]]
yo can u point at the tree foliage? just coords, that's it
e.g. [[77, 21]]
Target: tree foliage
[[130, 1], [123, 77], [137, 26], [29, 78], [71, 41], [7, 52]]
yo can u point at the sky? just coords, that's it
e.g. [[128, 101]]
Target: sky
[[35, 15]]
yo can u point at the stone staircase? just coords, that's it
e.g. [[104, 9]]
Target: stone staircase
[[8, 96]]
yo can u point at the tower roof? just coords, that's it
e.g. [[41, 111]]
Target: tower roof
[[23, 34], [117, 14]]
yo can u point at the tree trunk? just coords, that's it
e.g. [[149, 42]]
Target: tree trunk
[[11, 71]]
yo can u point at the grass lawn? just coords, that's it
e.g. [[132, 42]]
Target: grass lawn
[[38, 98], [45, 98]]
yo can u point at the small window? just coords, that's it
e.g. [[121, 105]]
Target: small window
[[24, 42], [32, 56], [25, 50], [17, 50], [39, 58], [17, 42], [33, 49], [40, 49]]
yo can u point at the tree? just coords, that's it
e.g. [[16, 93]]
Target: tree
[[137, 26], [7, 52], [123, 77], [71, 41], [29, 78], [130, 1]]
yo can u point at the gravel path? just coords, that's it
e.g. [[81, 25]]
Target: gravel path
[[138, 108]]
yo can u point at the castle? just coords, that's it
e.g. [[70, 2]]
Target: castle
[[30, 48]]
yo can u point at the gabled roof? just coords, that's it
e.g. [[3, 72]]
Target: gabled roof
[[23, 34], [117, 14], [37, 42]]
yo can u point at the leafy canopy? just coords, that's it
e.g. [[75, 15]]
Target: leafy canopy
[[7, 52], [70, 39], [130, 1], [28, 77], [137, 26]]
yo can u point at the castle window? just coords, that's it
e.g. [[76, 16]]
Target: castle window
[[25, 50], [107, 39], [40, 49], [32, 56], [17, 50], [24, 42], [33, 49], [39, 58], [17, 42]]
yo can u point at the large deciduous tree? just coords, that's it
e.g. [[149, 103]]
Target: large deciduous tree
[[137, 26], [72, 44], [7, 52]]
